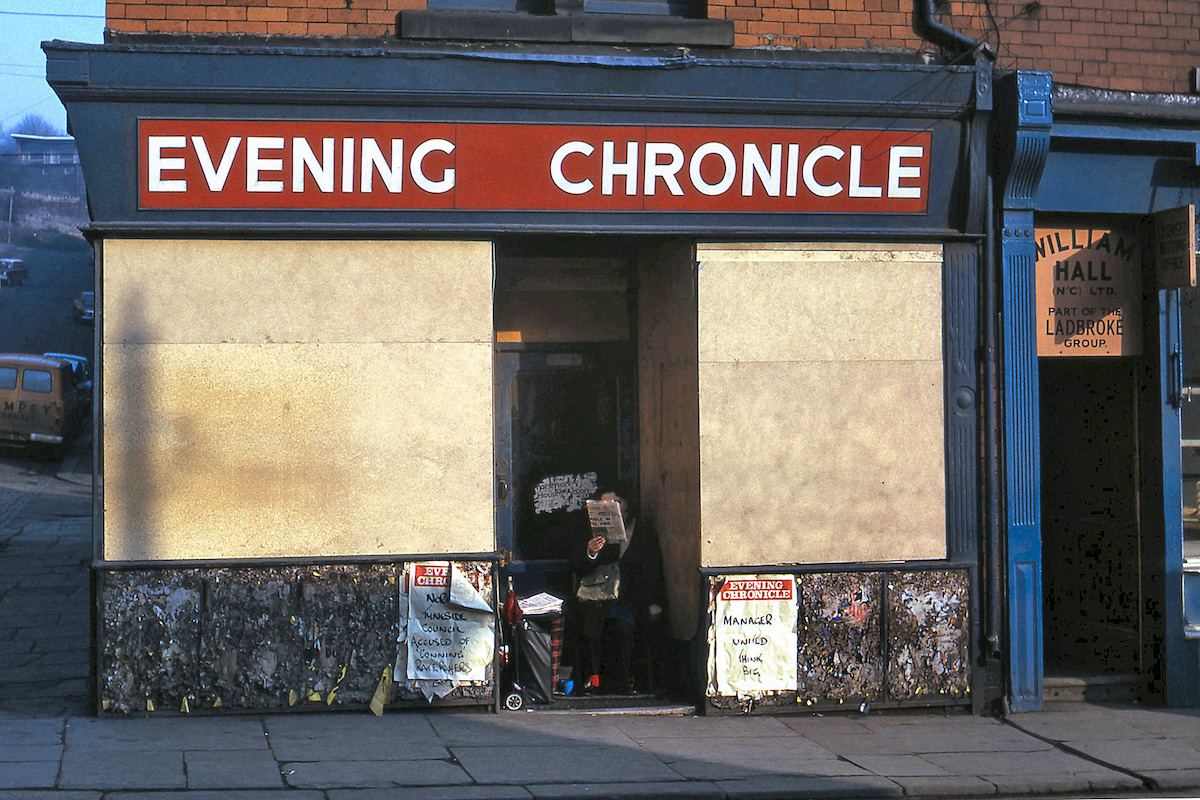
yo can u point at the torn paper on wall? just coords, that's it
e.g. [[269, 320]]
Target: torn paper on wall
[[451, 631], [754, 636], [563, 492]]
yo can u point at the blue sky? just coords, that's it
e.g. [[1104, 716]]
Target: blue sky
[[24, 25]]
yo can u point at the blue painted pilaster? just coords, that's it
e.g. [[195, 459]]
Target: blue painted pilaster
[[1181, 666], [1029, 141]]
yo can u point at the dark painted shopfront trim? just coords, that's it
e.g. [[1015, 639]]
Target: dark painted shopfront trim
[[107, 88]]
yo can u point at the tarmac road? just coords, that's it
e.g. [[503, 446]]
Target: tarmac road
[[35, 317]]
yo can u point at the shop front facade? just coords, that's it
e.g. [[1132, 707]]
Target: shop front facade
[[1098, 251], [375, 321]]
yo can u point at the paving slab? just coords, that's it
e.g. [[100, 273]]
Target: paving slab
[[218, 769], [898, 766], [1173, 778], [166, 733], [28, 774], [31, 752], [527, 730], [1039, 783], [1166, 722], [776, 786], [22, 730], [688, 790], [372, 774], [358, 747], [942, 786], [695, 727], [829, 726], [1001, 763], [720, 768], [1065, 726], [231, 794], [849, 744], [43, 794], [1108, 780], [355, 723], [433, 793], [739, 750], [598, 763], [1141, 754], [122, 769]]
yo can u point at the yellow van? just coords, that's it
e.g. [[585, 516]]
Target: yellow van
[[39, 402]]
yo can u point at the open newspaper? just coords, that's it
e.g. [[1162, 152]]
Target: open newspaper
[[605, 519]]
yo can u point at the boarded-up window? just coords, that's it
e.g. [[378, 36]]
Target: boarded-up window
[[267, 399], [821, 403]]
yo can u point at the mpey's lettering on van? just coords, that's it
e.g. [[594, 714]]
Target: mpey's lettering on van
[[328, 165]]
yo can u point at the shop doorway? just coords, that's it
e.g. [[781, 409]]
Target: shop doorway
[[1091, 554], [566, 429], [565, 419]]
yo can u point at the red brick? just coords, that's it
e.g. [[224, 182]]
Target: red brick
[[326, 29], [835, 30], [126, 25], [287, 28], [226, 13], [266, 14], [367, 29], [207, 26], [307, 15], [780, 14], [1125, 84], [346, 15]]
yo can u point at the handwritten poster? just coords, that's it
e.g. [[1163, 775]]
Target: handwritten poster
[[754, 636], [450, 633]]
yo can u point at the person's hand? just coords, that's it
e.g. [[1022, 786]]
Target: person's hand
[[595, 545]]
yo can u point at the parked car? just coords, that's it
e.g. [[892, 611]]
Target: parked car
[[13, 272], [39, 402], [82, 368], [85, 307]]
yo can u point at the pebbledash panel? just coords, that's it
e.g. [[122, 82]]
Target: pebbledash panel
[[393, 170]]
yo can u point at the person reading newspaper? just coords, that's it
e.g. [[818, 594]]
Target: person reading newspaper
[[619, 585]]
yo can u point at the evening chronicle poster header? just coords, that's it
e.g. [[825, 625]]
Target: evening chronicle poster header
[[335, 165]]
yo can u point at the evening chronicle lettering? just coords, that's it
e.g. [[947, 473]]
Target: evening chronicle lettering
[[332, 164]]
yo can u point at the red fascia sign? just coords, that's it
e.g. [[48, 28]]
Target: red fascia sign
[[333, 165], [757, 589]]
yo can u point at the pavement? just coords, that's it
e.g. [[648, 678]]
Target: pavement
[[53, 748]]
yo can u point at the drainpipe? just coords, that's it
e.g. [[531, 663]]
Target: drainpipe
[[926, 26]]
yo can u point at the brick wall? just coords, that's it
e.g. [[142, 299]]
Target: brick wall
[[259, 17], [1148, 46]]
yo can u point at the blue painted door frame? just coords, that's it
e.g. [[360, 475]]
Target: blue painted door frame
[[1066, 184]]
